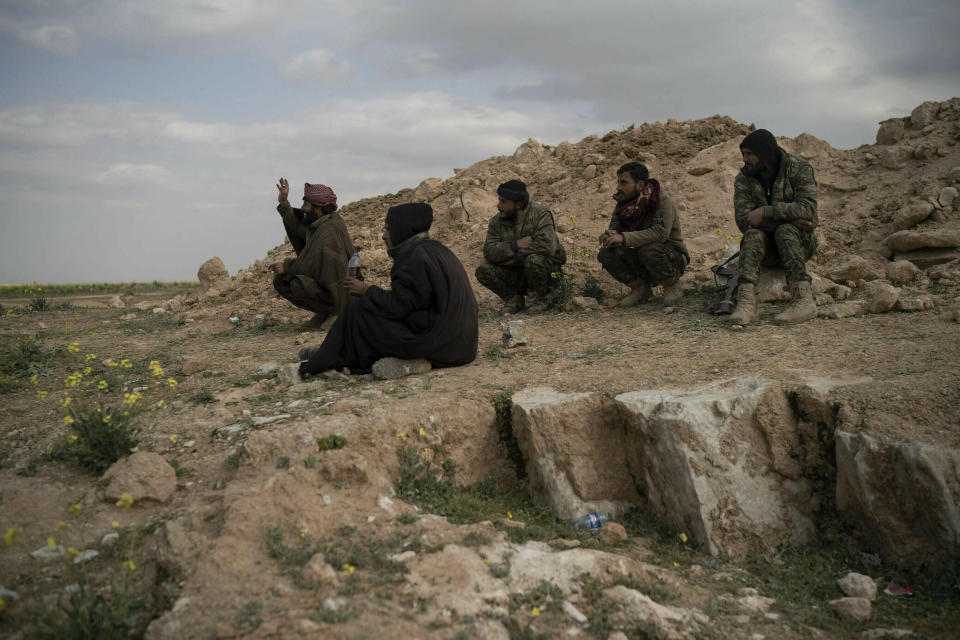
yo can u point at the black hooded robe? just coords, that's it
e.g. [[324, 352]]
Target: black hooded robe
[[428, 312]]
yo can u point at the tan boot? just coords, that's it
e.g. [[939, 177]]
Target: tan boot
[[672, 292], [513, 304], [747, 310], [639, 292], [801, 307]]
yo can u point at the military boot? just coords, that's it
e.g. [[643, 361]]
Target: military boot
[[672, 291], [538, 303], [747, 310], [639, 292], [801, 307], [513, 304]]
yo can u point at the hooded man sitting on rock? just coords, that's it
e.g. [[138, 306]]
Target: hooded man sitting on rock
[[643, 246], [428, 312], [312, 280], [522, 253], [775, 206]]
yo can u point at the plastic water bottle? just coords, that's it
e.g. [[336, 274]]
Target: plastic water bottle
[[353, 266], [591, 521]]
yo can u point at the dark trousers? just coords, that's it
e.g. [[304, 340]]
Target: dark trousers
[[652, 263], [303, 292], [534, 276]]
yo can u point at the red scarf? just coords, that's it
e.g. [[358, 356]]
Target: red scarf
[[632, 213]]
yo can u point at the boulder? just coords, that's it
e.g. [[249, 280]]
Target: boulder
[[847, 267], [856, 608], [212, 275], [393, 368], [584, 303], [924, 114], [143, 475], [843, 309], [513, 334], [194, 364], [947, 196], [116, 302], [927, 258], [917, 512], [857, 585], [936, 238], [914, 212], [629, 609], [890, 131], [918, 303], [901, 271], [881, 296], [895, 157], [722, 462], [477, 204], [530, 152], [428, 190], [573, 446]]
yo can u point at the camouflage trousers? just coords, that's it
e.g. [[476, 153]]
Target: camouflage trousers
[[787, 247], [653, 263], [303, 292], [534, 276]]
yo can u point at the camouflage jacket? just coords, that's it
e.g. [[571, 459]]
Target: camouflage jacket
[[325, 253], [793, 195], [662, 226], [534, 220]]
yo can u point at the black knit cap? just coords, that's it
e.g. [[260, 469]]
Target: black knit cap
[[406, 220], [514, 190], [763, 145]]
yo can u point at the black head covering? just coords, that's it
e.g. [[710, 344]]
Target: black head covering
[[515, 190], [763, 145], [406, 220]]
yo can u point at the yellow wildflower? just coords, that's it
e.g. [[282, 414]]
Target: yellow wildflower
[[719, 232], [676, 565], [68, 420], [62, 526], [66, 401], [509, 515], [33, 379], [130, 565], [51, 542], [106, 419], [102, 385], [115, 524], [72, 552], [683, 537], [49, 448], [125, 501], [72, 438], [131, 398], [125, 363], [111, 362], [422, 432], [171, 382], [73, 347], [87, 371], [160, 404], [3, 604], [426, 451], [41, 395], [12, 536], [349, 568], [401, 436], [173, 438], [75, 509], [91, 357], [535, 612]]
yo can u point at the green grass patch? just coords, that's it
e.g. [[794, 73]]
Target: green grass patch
[[331, 442], [21, 358], [203, 396]]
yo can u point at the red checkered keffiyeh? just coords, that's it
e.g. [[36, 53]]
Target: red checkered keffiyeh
[[318, 194]]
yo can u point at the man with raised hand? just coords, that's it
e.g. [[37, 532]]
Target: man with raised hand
[[775, 206], [312, 280]]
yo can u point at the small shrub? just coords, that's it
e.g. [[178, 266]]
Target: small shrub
[[204, 396], [591, 289], [248, 617], [310, 461], [332, 441], [561, 290]]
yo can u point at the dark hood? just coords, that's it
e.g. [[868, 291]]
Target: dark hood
[[407, 220], [763, 145]]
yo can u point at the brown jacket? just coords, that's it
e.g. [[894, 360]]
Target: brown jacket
[[325, 253]]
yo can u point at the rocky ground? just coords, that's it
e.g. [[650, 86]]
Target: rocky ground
[[248, 519]]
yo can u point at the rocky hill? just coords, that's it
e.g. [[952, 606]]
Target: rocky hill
[[746, 471]]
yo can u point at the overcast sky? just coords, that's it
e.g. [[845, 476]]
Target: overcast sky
[[140, 137]]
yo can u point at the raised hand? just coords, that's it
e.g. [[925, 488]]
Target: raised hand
[[284, 188]]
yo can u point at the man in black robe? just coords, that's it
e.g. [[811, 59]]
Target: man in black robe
[[428, 312]]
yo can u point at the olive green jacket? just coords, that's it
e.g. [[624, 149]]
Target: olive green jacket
[[662, 226], [534, 220], [324, 256], [793, 195]]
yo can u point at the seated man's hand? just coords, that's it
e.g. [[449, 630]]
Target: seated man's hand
[[284, 188], [277, 267], [524, 242], [755, 217], [603, 236], [354, 286], [804, 225], [612, 240]]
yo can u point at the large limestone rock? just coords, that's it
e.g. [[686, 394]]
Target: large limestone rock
[[144, 476], [901, 271], [910, 240], [924, 114], [213, 275], [474, 203], [881, 296], [721, 462], [574, 447], [914, 212], [906, 494], [428, 190], [890, 131], [848, 267]]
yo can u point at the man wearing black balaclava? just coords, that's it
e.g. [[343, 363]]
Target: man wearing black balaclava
[[429, 311], [775, 206], [522, 254]]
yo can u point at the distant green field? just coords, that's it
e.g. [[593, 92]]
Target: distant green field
[[20, 290]]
